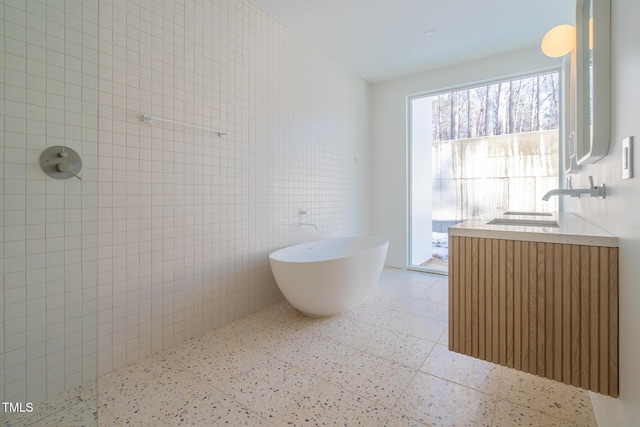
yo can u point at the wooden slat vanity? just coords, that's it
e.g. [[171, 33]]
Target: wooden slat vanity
[[542, 300]]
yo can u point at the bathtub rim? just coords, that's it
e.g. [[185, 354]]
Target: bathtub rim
[[277, 254]]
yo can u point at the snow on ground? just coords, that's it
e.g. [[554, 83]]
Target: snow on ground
[[440, 242]]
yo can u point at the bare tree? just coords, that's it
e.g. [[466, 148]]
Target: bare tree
[[481, 122], [553, 123], [535, 110], [496, 117], [523, 105], [469, 124], [487, 111], [452, 119]]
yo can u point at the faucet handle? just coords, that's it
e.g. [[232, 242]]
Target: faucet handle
[[597, 190]]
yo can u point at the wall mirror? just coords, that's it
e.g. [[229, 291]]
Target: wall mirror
[[568, 110], [592, 81]]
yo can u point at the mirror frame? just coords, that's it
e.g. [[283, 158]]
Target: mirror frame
[[593, 87], [568, 113]]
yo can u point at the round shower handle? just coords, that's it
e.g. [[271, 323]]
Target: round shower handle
[[61, 162]]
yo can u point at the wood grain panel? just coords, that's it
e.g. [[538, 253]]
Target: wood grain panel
[[474, 298], [482, 300], [502, 302], [557, 312], [575, 316], [454, 287], [517, 305], [488, 298], [495, 301], [549, 300], [524, 307], [566, 314], [467, 296], [541, 313], [594, 314], [533, 307], [509, 303], [462, 302], [549, 309], [603, 381], [613, 322], [584, 316]]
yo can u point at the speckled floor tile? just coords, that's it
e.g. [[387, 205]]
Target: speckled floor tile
[[40, 411], [439, 292], [388, 296], [551, 397], [77, 404], [469, 371], [158, 392], [217, 359], [404, 349], [200, 406], [370, 376], [365, 367], [327, 404], [444, 338], [406, 278], [78, 415], [400, 286], [208, 408], [106, 419], [395, 419], [425, 307], [402, 322], [215, 340], [281, 321], [437, 402], [509, 414], [86, 392], [268, 387], [320, 356]]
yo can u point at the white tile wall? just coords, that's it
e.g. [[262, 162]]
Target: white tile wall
[[49, 228], [187, 219]]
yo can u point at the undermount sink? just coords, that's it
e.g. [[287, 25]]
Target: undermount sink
[[524, 222], [528, 213]]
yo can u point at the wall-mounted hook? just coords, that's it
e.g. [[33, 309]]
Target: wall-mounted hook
[[61, 162]]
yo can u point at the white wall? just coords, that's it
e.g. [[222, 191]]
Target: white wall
[[390, 133], [49, 229], [421, 136], [187, 219], [618, 213]]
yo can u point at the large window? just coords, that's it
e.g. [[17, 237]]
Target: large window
[[482, 149]]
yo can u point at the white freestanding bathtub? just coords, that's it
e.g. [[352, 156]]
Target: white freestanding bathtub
[[329, 277]]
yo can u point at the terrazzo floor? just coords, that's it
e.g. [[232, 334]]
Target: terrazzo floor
[[384, 363]]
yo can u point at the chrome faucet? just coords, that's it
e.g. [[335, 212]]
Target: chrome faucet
[[592, 191], [310, 225], [303, 212]]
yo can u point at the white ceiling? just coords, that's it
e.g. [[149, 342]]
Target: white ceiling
[[384, 39]]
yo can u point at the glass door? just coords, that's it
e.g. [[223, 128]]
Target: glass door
[[479, 150]]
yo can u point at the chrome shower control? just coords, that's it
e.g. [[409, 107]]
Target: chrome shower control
[[60, 162]]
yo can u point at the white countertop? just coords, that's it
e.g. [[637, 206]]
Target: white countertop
[[572, 230]]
